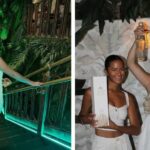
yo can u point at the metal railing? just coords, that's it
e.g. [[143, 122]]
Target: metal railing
[[45, 110], [47, 67]]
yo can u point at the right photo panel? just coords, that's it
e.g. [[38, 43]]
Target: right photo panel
[[112, 75]]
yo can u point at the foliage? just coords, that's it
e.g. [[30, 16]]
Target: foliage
[[11, 22], [31, 49], [90, 11], [33, 53], [144, 8], [11, 17], [27, 54]]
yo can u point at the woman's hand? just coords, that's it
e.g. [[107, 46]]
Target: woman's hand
[[139, 31], [6, 82], [36, 83], [88, 119], [92, 120]]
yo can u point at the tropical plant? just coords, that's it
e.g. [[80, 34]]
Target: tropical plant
[[25, 53], [33, 53], [11, 17], [90, 11]]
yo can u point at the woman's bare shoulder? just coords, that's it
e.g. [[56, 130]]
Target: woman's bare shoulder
[[131, 96]]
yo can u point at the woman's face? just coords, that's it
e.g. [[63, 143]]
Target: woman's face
[[116, 71]]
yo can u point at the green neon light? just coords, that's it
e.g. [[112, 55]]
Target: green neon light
[[44, 112], [49, 83], [24, 122], [21, 125], [56, 141], [58, 134]]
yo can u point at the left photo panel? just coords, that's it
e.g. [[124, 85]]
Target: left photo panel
[[35, 74]]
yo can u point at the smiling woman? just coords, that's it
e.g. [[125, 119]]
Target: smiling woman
[[122, 108], [115, 69]]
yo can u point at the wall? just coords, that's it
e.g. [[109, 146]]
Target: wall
[[90, 54]]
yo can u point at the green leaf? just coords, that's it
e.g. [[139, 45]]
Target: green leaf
[[4, 33], [1, 13]]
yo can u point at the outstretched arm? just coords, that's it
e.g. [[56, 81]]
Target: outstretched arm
[[10, 72], [136, 69]]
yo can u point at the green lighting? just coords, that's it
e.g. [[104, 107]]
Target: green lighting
[[23, 123], [50, 131], [4, 34], [56, 141], [58, 134], [1, 13]]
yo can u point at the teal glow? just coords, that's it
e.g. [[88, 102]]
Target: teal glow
[[25, 124], [53, 132], [56, 141], [49, 83], [15, 121], [58, 134], [54, 135], [44, 113]]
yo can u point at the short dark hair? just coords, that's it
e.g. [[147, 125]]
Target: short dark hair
[[110, 59]]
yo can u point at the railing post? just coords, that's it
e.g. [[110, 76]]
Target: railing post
[[42, 110], [5, 103]]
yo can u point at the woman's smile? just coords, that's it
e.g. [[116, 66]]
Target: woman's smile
[[116, 71]]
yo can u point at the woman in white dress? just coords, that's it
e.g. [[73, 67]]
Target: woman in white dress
[[10, 72], [144, 79], [122, 106]]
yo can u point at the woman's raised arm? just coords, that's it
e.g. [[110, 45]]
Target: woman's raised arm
[[136, 69]]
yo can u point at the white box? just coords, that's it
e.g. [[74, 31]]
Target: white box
[[100, 100]]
